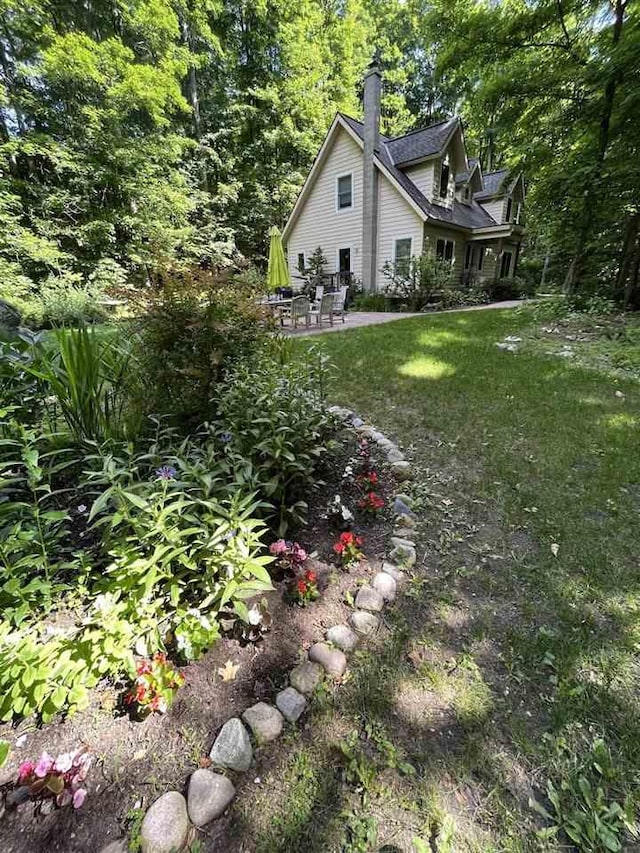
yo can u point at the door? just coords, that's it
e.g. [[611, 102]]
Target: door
[[344, 262]]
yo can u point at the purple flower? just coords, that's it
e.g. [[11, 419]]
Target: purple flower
[[44, 765], [166, 472], [63, 762], [78, 798], [226, 437]]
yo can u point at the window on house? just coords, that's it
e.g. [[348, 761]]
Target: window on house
[[402, 255], [518, 213], [344, 192], [509, 206], [505, 264], [444, 179], [301, 261], [468, 257], [466, 194], [445, 250], [480, 258]]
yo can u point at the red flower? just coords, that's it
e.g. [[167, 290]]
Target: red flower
[[311, 576], [141, 693], [143, 668], [339, 547], [302, 586], [160, 657]]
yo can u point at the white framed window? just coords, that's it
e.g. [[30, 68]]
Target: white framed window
[[344, 192], [505, 264], [509, 207], [301, 261], [445, 250], [444, 178], [468, 256], [402, 255]]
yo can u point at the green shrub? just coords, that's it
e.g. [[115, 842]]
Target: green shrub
[[273, 413], [370, 302], [188, 333], [61, 300]]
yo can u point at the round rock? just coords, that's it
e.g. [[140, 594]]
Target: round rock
[[232, 747], [401, 508], [401, 470], [208, 796], [402, 542], [265, 722], [291, 704], [385, 585], [120, 846], [369, 599], [405, 555], [405, 521], [343, 637], [306, 677], [364, 623], [394, 455], [393, 571], [166, 825], [333, 660]]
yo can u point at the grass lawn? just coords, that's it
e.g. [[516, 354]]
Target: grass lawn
[[511, 659]]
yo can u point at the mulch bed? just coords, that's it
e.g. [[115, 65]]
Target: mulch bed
[[135, 762]]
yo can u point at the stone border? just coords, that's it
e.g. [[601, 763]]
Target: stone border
[[167, 824]]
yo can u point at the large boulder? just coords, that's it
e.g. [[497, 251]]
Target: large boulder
[[165, 827]]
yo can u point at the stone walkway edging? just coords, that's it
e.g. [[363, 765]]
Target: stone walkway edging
[[168, 822]]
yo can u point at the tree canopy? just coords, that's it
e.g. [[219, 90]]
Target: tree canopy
[[143, 134]]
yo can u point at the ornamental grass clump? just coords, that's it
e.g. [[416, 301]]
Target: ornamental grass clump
[[50, 781], [155, 686], [348, 548]]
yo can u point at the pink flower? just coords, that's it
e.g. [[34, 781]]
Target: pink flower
[[44, 765], [79, 797], [63, 762], [279, 547], [25, 770]]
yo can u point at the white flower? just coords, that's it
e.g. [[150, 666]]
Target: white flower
[[82, 508]]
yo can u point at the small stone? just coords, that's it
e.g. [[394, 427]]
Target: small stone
[[343, 637], [403, 533], [406, 521], [291, 704], [232, 747], [401, 508], [385, 585], [265, 722], [405, 499], [369, 599], [385, 444], [392, 571], [364, 623], [358, 423], [404, 556], [208, 797], [341, 412], [333, 660], [377, 436], [402, 470], [402, 542], [306, 677], [119, 846], [394, 455], [166, 825]]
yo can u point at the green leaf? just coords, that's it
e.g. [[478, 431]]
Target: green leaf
[[4, 751]]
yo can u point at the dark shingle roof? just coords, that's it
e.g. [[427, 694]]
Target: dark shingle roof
[[492, 183], [420, 143], [463, 215], [463, 177]]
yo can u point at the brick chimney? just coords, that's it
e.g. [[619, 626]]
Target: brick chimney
[[372, 89]]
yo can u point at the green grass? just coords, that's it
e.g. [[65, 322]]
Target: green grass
[[515, 647]]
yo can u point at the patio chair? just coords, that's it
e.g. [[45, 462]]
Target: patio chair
[[300, 310], [325, 311], [338, 302], [319, 293]]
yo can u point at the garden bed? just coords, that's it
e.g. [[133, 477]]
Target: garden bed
[[135, 761]]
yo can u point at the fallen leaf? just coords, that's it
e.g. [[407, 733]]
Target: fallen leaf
[[228, 671], [555, 548]]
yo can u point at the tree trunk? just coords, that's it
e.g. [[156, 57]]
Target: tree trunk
[[191, 82], [574, 273], [626, 281]]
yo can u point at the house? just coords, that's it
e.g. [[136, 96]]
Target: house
[[370, 199]]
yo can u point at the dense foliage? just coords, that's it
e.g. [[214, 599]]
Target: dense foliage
[[123, 532], [139, 136]]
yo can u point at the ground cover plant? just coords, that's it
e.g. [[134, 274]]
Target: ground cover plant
[[507, 678]]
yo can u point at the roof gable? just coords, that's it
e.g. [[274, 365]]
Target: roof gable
[[421, 144]]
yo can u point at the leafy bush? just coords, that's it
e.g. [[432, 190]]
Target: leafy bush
[[61, 300], [189, 332], [370, 302], [427, 282], [276, 421]]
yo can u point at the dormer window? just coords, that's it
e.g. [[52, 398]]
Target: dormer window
[[466, 193], [444, 179], [344, 192], [509, 207]]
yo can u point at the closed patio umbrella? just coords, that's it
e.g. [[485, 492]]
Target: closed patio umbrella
[[277, 270]]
